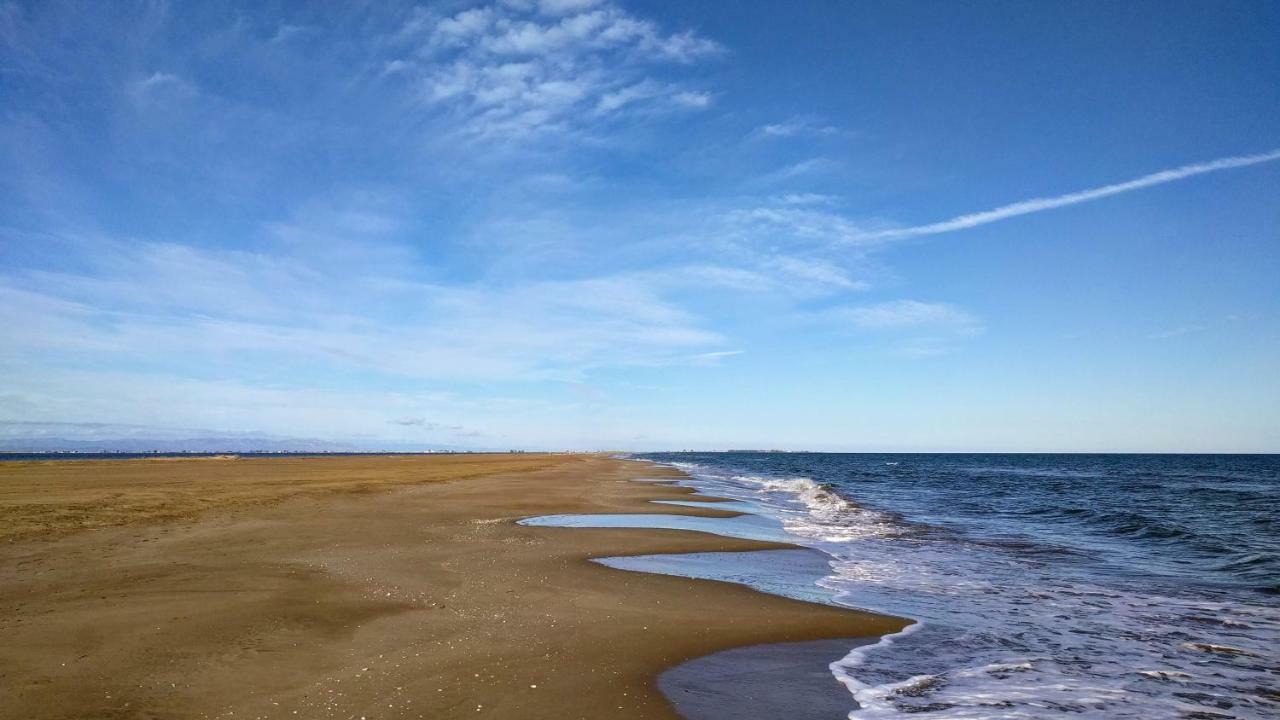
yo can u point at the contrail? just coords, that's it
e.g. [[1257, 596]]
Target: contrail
[[1035, 205]]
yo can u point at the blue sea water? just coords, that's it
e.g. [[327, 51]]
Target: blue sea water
[[1098, 586]]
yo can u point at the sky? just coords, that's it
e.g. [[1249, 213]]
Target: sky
[[848, 226]]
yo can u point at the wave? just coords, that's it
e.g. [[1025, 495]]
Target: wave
[[866, 695], [824, 514]]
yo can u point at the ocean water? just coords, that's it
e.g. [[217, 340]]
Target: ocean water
[[1043, 586]]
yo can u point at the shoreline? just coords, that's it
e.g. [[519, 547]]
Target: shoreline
[[423, 600]]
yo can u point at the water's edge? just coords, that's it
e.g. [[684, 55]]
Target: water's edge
[[725, 685]]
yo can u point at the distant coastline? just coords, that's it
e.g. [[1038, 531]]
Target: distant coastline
[[12, 455]]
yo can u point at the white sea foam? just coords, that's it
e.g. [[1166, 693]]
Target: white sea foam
[[844, 668], [821, 514]]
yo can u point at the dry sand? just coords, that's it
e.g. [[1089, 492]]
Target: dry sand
[[264, 588]]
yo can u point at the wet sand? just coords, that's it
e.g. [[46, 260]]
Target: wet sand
[[415, 597], [762, 682]]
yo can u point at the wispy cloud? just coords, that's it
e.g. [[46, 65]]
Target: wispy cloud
[[150, 399], [797, 223], [177, 304], [908, 314], [815, 272], [161, 88], [514, 71], [653, 95], [425, 425], [1035, 205], [562, 7], [713, 357], [911, 328], [1176, 332], [287, 32], [802, 168], [795, 126], [806, 199]]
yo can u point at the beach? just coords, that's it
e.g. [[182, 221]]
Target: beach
[[366, 587]]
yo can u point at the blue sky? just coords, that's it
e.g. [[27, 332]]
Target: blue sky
[[567, 223]]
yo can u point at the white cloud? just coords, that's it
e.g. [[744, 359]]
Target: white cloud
[[778, 275], [116, 398], [176, 304], [464, 27], [287, 32], [806, 199], [564, 7], [160, 87], [810, 166], [795, 126], [615, 100], [692, 99], [711, 358], [795, 224], [391, 67], [910, 328], [158, 79], [910, 314], [645, 90], [509, 72], [817, 272], [716, 276], [685, 46]]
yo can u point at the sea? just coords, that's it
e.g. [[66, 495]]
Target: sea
[[1041, 586]]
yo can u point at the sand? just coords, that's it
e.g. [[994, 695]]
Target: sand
[[266, 588], [43, 498]]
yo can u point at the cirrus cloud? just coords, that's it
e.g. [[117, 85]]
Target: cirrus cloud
[[513, 71]]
